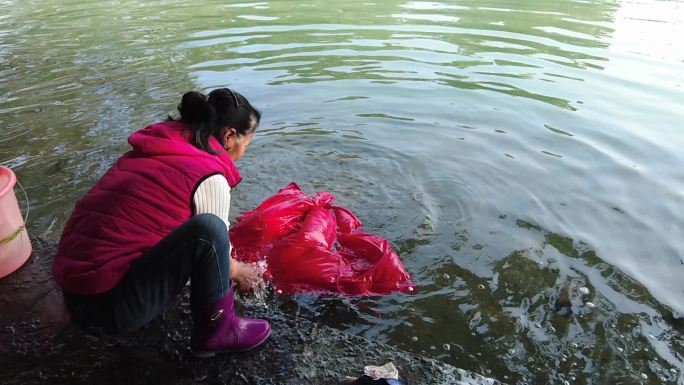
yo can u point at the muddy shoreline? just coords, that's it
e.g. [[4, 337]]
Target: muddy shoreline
[[38, 345]]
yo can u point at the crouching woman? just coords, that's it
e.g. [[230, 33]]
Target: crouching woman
[[158, 218]]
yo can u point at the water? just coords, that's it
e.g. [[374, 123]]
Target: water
[[512, 151]]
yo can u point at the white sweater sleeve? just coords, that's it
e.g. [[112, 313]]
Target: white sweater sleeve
[[213, 197]]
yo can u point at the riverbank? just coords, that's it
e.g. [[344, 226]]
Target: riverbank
[[38, 345]]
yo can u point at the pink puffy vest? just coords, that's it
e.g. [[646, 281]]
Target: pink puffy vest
[[146, 194]]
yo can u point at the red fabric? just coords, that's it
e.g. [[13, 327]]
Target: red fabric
[[276, 218], [312, 246], [346, 221], [144, 196], [320, 227]]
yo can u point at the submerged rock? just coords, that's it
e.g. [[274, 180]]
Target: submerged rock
[[298, 352]]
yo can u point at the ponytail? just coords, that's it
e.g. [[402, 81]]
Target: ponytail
[[200, 117]]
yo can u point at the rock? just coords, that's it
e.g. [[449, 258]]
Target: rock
[[563, 299]]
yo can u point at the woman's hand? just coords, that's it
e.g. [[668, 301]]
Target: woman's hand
[[243, 274]]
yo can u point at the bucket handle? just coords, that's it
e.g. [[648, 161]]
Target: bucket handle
[[21, 228]]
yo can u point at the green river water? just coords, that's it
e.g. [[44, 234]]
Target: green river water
[[517, 154]]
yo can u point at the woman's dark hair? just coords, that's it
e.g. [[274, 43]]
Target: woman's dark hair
[[207, 115]]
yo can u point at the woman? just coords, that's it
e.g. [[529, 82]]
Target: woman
[[159, 218]]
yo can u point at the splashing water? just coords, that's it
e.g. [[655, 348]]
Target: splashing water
[[261, 288]]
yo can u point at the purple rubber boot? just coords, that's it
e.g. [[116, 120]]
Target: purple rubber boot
[[216, 329]]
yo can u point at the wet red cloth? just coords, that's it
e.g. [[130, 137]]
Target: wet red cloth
[[311, 246]]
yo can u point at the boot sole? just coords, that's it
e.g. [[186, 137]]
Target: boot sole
[[213, 353]]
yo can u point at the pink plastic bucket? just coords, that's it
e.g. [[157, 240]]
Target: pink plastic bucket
[[15, 246]]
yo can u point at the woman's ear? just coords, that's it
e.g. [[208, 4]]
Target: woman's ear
[[228, 136]]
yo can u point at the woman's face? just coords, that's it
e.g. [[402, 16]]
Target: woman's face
[[239, 145], [236, 144]]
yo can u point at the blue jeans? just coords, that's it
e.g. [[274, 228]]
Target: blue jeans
[[197, 250]]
